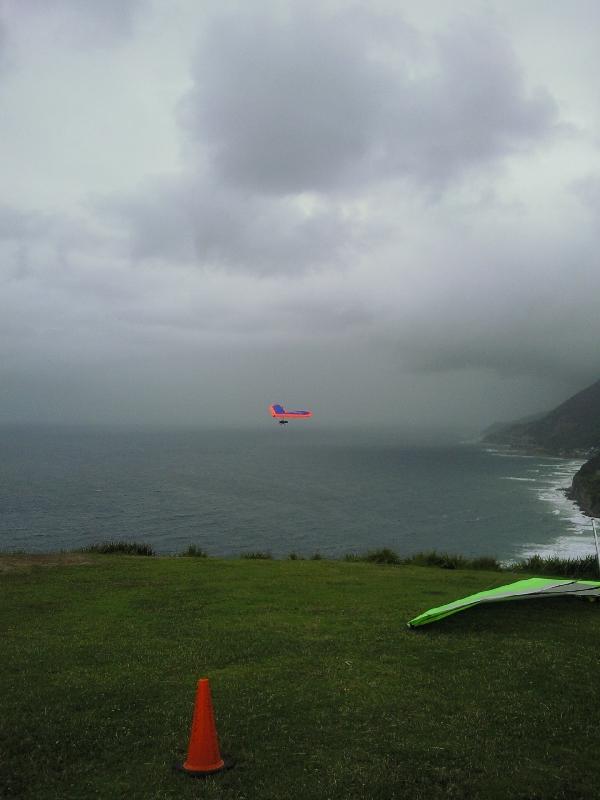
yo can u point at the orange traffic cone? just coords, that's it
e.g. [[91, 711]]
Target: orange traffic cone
[[204, 757]]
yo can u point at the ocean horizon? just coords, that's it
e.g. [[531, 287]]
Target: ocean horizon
[[282, 489]]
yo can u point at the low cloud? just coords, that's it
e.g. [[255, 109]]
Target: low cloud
[[199, 222], [357, 210]]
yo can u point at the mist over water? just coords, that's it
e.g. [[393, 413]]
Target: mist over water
[[281, 489]]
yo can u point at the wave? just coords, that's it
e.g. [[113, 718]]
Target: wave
[[548, 479], [577, 540]]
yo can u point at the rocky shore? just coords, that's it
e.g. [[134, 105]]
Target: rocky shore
[[585, 489], [571, 430]]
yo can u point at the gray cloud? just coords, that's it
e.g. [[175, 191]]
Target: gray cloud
[[18, 224], [472, 110], [588, 191], [355, 211], [5, 48], [524, 306], [332, 106], [84, 23], [314, 102], [199, 222]]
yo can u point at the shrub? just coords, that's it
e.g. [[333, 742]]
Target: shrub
[[583, 567], [258, 554], [425, 559], [429, 558], [316, 557], [432, 558], [485, 562], [123, 548], [195, 552], [383, 556]]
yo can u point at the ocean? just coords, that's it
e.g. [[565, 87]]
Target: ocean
[[282, 489]]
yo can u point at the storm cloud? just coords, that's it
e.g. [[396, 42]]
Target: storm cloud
[[75, 23], [316, 202], [201, 222], [309, 101]]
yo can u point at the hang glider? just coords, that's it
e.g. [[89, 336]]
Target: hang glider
[[283, 416], [520, 590]]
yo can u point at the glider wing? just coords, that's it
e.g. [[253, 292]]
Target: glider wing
[[279, 412], [520, 590]]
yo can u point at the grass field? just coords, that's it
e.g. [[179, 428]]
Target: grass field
[[320, 690]]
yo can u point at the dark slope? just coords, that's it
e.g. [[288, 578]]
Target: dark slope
[[585, 489], [572, 427]]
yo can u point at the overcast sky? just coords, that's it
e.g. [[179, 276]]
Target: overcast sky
[[385, 211]]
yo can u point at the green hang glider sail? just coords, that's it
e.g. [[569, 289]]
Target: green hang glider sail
[[520, 590]]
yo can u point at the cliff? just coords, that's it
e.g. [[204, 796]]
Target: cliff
[[571, 428], [585, 489]]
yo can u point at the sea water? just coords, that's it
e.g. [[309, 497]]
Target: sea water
[[282, 489]]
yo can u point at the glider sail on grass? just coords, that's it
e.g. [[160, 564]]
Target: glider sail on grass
[[283, 416], [520, 590]]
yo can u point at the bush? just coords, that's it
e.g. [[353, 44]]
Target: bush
[[429, 558], [195, 552], [123, 548], [383, 556], [259, 555], [432, 558], [316, 557], [583, 567], [485, 562]]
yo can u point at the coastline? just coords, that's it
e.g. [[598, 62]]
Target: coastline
[[585, 487], [552, 484]]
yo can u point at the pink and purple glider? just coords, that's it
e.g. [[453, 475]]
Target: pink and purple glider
[[283, 416]]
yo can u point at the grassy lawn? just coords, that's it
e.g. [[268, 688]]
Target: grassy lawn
[[320, 690]]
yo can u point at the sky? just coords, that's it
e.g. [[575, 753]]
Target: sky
[[382, 211]]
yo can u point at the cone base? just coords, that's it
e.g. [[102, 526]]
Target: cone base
[[228, 763]]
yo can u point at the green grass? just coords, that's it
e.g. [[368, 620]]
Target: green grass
[[320, 690]]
